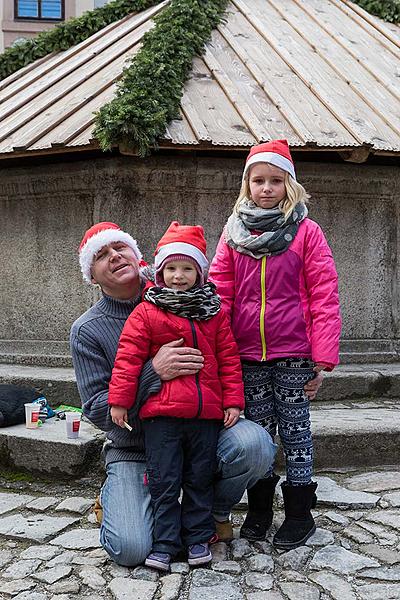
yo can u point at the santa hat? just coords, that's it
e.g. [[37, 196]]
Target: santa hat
[[275, 153], [181, 242], [95, 238]]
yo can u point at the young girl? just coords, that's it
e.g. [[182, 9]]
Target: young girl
[[181, 423], [275, 274]]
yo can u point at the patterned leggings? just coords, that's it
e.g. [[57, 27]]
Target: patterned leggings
[[275, 397]]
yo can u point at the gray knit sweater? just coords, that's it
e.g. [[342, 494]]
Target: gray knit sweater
[[94, 341]]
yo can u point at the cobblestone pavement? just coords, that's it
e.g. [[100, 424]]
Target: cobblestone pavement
[[49, 549]]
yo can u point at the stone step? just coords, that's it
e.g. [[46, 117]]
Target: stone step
[[352, 435], [47, 450]]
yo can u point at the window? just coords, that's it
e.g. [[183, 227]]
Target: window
[[47, 10]]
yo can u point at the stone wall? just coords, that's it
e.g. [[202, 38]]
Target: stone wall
[[45, 209]]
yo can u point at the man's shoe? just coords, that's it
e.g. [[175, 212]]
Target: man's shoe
[[98, 510], [158, 560], [199, 554], [224, 531], [299, 524], [259, 516]]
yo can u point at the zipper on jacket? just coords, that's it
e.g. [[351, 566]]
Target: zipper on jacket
[[197, 378], [263, 306]]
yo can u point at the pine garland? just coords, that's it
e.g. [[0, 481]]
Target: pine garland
[[149, 94], [389, 10], [68, 34]]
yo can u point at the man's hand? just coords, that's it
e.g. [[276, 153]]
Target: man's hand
[[231, 417], [311, 388], [173, 360], [119, 415]]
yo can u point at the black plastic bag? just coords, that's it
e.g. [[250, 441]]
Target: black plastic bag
[[12, 400]]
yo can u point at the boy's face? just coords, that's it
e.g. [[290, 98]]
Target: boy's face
[[180, 275]]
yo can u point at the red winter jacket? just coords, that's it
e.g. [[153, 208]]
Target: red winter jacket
[[217, 386]]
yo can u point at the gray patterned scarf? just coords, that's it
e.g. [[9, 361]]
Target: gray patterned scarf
[[276, 233], [200, 303]]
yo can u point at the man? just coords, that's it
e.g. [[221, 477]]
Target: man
[[110, 258]]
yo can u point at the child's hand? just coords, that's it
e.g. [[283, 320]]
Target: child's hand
[[119, 415], [231, 417]]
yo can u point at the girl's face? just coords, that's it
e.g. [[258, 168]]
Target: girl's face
[[180, 275], [267, 185]]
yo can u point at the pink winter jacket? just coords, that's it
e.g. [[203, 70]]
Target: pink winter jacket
[[284, 305]]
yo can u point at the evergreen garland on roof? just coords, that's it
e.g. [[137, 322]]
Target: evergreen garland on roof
[[68, 34], [389, 10], [149, 94]]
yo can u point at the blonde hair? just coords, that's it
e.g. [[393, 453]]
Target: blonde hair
[[295, 193]]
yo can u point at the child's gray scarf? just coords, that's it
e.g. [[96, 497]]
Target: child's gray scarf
[[276, 233], [200, 303]]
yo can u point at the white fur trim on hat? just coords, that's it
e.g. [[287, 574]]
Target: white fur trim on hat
[[273, 159], [96, 243], [181, 248]]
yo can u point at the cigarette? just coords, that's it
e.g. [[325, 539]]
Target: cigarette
[[127, 426]]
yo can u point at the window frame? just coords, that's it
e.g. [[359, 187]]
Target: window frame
[[39, 17]]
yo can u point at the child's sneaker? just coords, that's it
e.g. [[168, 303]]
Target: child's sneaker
[[199, 554], [158, 560]]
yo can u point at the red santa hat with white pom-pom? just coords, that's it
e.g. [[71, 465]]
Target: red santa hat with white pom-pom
[[275, 152]]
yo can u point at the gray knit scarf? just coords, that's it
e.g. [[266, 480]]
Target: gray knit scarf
[[200, 303], [276, 233]]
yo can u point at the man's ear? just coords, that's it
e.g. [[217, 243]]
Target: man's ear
[[92, 279]]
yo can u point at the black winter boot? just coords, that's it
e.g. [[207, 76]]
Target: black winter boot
[[299, 524], [259, 516]]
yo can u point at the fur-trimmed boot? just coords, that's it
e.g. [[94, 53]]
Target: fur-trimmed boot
[[259, 516], [299, 524]]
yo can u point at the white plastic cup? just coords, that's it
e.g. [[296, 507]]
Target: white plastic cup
[[73, 422], [32, 415]]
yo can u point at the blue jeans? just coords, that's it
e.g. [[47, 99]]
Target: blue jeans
[[245, 454]]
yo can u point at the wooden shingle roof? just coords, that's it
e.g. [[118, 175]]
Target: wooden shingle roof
[[322, 73]]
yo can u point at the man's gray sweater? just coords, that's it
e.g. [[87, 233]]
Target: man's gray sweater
[[94, 341]]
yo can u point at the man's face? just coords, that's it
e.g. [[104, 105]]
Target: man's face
[[116, 269]]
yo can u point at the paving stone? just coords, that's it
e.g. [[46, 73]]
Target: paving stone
[[294, 576], [145, 573], [118, 571], [386, 555], [374, 481], [10, 501], [64, 558], [5, 557], [321, 537], [17, 585], [378, 591], [357, 534], [43, 503], [392, 499], [272, 595], [341, 560], [52, 575], [264, 547], [92, 577], [240, 548], [31, 596], [91, 518], [75, 504], [338, 588], [70, 585], [219, 551], [132, 589], [21, 568], [171, 586], [305, 591], [385, 517], [385, 537], [61, 597], [37, 527], [180, 567], [227, 566], [259, 581], [262, 563], [215, 586], [336, 518], [78, 539], [42, 552], [383, 573], [86, 560], [294, 559], [332, 494]]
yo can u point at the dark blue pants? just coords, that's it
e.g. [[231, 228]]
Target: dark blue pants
[[181, 454]]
